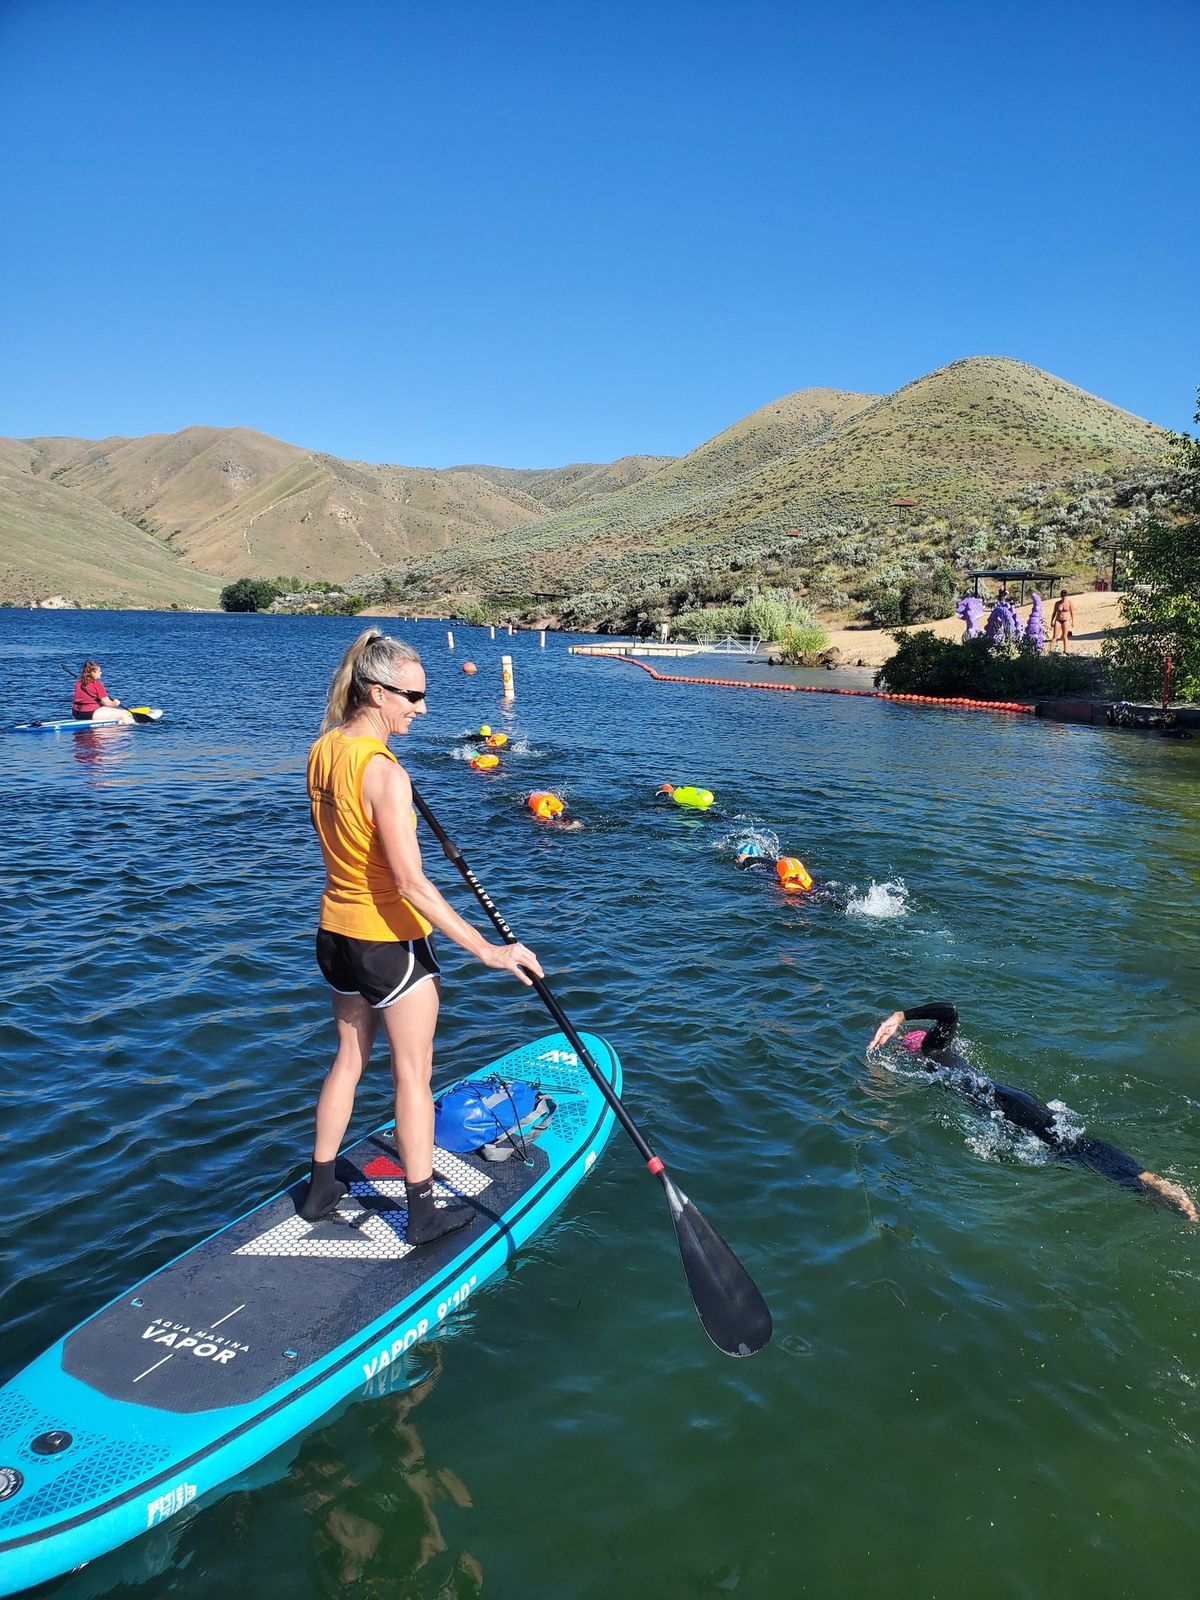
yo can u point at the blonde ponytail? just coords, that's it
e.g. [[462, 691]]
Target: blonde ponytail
[[372, 658]]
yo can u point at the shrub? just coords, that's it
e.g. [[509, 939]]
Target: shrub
[[249, 594], [801, 646], [1162, 613], [925, 664], [882, 605], [929, 595]]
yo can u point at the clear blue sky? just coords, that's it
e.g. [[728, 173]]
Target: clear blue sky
[[529, 234]]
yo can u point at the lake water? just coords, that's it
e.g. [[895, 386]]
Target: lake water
[[985, 1378]]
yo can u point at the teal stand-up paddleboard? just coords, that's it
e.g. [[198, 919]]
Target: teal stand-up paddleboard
[[219, 1358]]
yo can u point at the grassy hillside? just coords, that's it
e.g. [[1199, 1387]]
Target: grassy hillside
[[232, 502], [958, 442], [556, 487], [56, 540], [998, 459]]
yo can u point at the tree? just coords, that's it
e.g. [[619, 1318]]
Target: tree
[[249, 594], [1161, 605]]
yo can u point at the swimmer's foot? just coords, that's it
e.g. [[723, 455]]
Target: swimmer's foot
[[427, 1221], [324, 1192], [1169, 1194]]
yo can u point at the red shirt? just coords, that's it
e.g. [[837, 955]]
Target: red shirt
[[87, 698]]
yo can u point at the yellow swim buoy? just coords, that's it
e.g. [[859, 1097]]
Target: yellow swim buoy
[[484, 763], [793, 875], [689, 795], [544, 805], [497, 741]]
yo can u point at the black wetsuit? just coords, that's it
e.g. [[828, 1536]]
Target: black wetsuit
[[1020, 1107]]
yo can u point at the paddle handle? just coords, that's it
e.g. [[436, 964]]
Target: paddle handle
[[455, 856]]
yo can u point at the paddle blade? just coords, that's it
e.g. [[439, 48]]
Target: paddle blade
[[732, 1312], [145, 713]]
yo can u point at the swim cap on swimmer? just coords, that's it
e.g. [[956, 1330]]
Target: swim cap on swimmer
[[748, 849], [484, 730], [913, 1041], [793, 875], [544, 805], [665, 788]]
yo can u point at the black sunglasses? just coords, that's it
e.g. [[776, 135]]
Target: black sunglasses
[[413, 696]]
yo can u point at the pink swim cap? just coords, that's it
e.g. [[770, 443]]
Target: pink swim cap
[[913, 1041]]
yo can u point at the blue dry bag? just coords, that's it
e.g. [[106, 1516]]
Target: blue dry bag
[[479, 1111]]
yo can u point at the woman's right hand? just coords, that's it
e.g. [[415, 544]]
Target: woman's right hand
[[511, 958], [886, 1030]]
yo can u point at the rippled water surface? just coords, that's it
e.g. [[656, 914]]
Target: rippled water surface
[[986, 1370]]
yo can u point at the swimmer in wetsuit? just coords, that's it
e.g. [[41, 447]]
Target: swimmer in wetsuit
[[935, 1048]]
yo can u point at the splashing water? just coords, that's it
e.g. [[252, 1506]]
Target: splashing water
[[888, 899], [748, 833]]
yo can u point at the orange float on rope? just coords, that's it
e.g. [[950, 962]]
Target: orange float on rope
[[544, 805], [484, 763], [470, 668], [793, 875]]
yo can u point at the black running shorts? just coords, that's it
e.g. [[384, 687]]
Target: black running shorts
[[381, 970]]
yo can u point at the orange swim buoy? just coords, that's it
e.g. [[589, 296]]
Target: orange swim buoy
[[793, 875], [497, 741], [484, 763], [544, 805]]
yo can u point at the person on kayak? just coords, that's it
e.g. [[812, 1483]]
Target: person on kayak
[[934, 1046], [378, 912], [91, 701]]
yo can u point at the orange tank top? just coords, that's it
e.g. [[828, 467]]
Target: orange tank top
[[361, 898]]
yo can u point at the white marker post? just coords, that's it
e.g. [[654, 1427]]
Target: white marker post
[[492, 631], [543, 639], [507, 685], [449, 640], [510, 630]]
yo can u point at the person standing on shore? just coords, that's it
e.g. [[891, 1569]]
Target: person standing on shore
[[378, 912], [1062, 622]]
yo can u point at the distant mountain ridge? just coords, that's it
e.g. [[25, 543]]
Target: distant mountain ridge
[[173, 516]]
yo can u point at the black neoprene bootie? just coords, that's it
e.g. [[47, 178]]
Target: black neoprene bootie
[[426, 1221], [324, 1192]]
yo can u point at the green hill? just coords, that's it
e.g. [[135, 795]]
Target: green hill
[[990, 456], [958, 443]]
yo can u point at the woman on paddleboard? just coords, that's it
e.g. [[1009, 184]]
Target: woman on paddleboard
[[91, 701], [935, 1049], [378, 912]]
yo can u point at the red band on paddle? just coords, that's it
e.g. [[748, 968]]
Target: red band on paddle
[[654, 1165]]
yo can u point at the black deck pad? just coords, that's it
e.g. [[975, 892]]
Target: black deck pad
[[256, 1304]]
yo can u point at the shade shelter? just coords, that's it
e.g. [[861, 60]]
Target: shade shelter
[[1021, 575]]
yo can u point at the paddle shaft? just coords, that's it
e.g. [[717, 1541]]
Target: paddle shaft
[[731, 1309], [455, 855]]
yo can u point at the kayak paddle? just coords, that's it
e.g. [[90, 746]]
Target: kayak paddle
[[731, 1310]]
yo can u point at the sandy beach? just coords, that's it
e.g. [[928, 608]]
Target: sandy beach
[[1095, 613]]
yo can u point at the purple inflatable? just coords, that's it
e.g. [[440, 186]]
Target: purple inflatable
[[1003, 625], [970, 609], [1035, 628]]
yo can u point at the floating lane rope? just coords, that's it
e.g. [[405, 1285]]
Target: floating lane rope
[[959, 702]]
